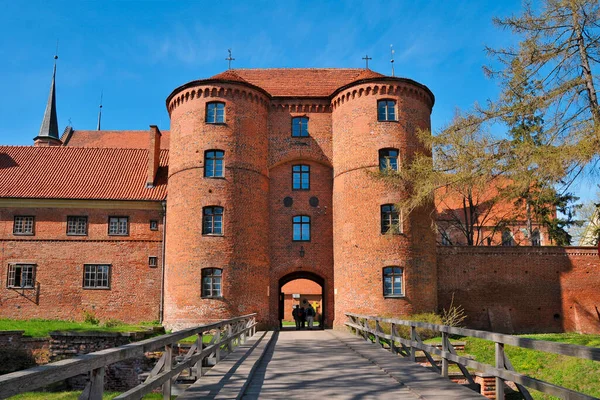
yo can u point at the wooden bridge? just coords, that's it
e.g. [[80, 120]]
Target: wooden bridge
[[304, 364]]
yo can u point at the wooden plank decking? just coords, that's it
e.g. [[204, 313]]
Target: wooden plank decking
[[320, 364]]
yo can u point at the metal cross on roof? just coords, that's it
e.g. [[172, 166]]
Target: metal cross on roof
[[229, 59], [367, 58]]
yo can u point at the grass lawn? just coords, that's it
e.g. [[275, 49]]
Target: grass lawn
[[42, 328], [74, 396], [569, 372]]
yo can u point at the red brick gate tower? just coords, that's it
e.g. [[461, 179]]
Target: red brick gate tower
[[239, 248], [361, 251]]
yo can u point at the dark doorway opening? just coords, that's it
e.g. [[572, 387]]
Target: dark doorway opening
[[288, 300]]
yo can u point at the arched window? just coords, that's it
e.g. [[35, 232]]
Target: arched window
[[507, 238], [388, 159], [301, 228], [390, 219], [213, 163], [300, 127], [300, 177], [392, 281], [386, 110], [212, 220], [215, 112], [536, 238], [211, 282]]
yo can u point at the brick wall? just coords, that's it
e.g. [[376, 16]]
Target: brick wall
[[242, 251], [523, 289], [360, 250], [134, 293]]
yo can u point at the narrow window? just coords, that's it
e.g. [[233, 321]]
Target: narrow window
[[23, 225], [300, 127], [392, 281], [388, 159], [300, 177], [213, 163], [212, 221], [152, 262], [386, 110], [445, 239], [211, 282], [153, 225], [215, 113], [390, 219], [96, 276], [536, 238], [118, 226], [77, 226], [21, 276], [301, 228], [507, 238]]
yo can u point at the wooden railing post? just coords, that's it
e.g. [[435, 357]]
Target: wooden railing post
[[445, 349], [166, 389], [229, 338], [199, 346], [500, 365], [393, 340], [413, 338], [218, 350], [377, 330]]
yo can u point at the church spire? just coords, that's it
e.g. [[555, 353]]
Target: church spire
[[48, 134]]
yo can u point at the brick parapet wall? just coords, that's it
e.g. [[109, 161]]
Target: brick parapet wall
[[522, 289]]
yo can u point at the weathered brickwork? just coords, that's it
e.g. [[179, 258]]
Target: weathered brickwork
[[134, 293], [360, 250], [242, 251], [341, 266], [522, 289]]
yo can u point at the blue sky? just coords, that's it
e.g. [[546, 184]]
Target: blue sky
[[138, 52]]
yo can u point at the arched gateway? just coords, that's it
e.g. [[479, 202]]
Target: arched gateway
[[302, 275]]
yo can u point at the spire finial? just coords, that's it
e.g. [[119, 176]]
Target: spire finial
[[100, 110], [229, 59], [392, 60], [367, 58], [49, 128]]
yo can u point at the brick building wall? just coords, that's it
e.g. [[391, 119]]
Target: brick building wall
[[361, 251], [59, 259], [242, 251], [522, 289]]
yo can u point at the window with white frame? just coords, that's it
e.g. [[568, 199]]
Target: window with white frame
[[392, 281], [23, 225], [118, 226], [96, 276], [215, 112], [211, 282], [386, 110], [21, 276], [77, 225]]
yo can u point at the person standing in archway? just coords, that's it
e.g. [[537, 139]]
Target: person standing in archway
[[296, 316], [310, 315]]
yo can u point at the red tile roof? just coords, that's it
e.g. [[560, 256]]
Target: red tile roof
[[229, 75], [304, 82], [79, 173], [113, 139]]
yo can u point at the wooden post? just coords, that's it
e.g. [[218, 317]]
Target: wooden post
[[377, 330], [97, 383], [199, 347], [229, 338], [413, 338], [500, 365], [445, 348], [218, 351], [168, 365], [393, 335]]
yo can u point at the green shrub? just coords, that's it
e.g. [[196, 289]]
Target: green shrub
[[112, 323], [90, 317]]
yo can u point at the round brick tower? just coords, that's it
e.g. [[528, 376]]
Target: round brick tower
[[240, 248], [362, 253]]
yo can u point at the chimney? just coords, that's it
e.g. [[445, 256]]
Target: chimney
[[153, 155]]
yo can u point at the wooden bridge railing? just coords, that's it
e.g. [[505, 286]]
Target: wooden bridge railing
[[225, 334], [370, 327]]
